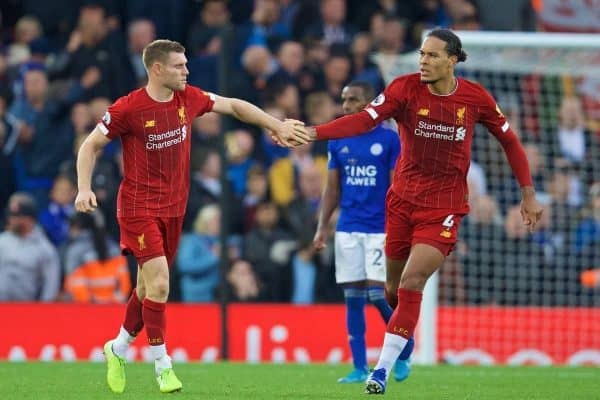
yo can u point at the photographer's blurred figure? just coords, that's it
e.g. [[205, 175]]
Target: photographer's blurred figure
[[95, 270], [29, 266]]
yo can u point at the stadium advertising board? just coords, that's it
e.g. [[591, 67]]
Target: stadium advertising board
[[302, 334], [71, 332]]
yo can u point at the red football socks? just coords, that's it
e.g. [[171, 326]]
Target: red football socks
[[154, 319], [406, 314], [133, 323]]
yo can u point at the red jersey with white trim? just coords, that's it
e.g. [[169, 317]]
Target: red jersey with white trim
[[156, 149], [436, 134]]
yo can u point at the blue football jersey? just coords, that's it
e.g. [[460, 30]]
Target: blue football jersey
[[364, 163]]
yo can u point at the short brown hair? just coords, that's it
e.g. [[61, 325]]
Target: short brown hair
[[159, 50]]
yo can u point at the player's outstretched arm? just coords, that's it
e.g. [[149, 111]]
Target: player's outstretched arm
[[346, 126], [329, 201], [86, 160], [288, 133], [531, 210]]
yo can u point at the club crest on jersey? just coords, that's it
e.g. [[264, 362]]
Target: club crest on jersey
[[446, 234], [423, 112], [376, 149], [460, 115], [150, 124], [379, 100], [106, 118], [182, 116]]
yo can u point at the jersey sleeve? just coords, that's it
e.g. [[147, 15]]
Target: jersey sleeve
[[115, 123], [332, 162], [389, 103], [491, 116], [200, 101]]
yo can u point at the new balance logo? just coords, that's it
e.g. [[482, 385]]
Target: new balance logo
[[345, 150], [424, 112], [150, 124]]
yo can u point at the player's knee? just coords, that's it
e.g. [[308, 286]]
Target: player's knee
[[159, 289], [413, 281]]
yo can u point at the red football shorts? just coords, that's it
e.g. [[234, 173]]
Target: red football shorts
[[150, 237], [407, 224]]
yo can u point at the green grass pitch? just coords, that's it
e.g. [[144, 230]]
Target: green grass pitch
[[232, 381]]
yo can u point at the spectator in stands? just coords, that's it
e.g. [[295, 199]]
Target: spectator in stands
[[363, 69], [29, 265], [393, 40], [206, 131], [290, 56], [95, 271], [285, 95], [92, 44], [198, 257], [139, 34], [319, 108], [8, 139], [331, 27], [302, 217], [520, 280], [258, 192], [574, 142], [206, 188], [81, 121], [587, 233], [27, 29], [269, 249], [259, 66], [203, 37], [507, 192], [563, 187], [240, 148], [264, 28], [311, 76], [243, 283], [587, 248], [284, 173], [337, 71], [55, 218], [482, 268], [45, 136]]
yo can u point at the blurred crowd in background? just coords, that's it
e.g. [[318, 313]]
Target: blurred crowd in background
[[62, 63]]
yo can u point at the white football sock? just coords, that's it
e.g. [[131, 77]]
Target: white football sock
[[161, 360], [121, 343], [392, 347]]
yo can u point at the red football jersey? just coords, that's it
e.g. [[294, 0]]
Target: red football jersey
[[156, 149], [436, 134]]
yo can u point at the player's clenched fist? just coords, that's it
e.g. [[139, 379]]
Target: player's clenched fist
[[85, 201]]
